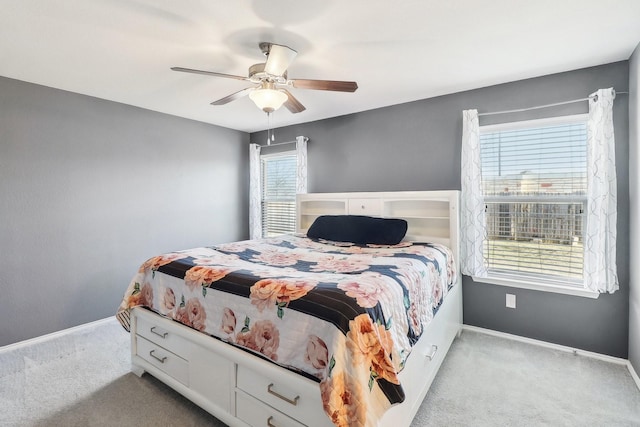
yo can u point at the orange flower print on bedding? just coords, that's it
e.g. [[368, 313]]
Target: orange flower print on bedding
[[158, 261], [277, 258], [368, 289], [146, 293], [263, 337], [196, 313], [269, 292], [228, 321], [354, 250], [141, 296], [265, 292], [372, 344], [203, 275], [191, 314], [236, 246], [317, 354], [168, 302], [343, 400], [182, 316]]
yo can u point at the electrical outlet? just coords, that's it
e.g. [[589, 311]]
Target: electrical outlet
[[511, 301]]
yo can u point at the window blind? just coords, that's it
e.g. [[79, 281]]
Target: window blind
[[278, 194], [534, 180]]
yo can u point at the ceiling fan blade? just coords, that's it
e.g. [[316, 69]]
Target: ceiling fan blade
[[338, 86], [237, 95], [209, 73], [292, 103], [279, 59]]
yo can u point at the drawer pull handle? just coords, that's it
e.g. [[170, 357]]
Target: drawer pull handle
[[293, 401], [161, 335], [269, 423], [434, 350], [159, 359]]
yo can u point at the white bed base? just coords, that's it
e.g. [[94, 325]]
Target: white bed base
[[241, 389]]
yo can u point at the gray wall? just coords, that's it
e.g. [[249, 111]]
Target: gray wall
[[634, 196], [416, 146], [90, 189]]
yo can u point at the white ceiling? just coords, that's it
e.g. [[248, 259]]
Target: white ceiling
[[397, 51]]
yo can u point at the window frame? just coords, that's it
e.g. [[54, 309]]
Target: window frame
[[516, 279], [267, 157]]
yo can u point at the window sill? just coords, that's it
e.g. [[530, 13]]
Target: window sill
[[537, 286]]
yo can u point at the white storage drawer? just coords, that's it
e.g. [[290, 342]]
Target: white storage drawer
[[430, 351], [256, 413], [163, 359], [370, 207], [148, 328], [431, 348], [305, 407]]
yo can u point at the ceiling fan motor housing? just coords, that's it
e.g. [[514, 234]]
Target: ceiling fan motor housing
[[257, 74]]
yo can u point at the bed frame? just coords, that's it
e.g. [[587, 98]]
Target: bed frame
[[241, 389]]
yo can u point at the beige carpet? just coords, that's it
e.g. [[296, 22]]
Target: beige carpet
[[83, 379]]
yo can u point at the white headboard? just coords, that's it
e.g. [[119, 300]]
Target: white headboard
[[432, 216]]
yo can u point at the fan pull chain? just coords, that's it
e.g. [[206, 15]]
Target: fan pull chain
[[269, 130]]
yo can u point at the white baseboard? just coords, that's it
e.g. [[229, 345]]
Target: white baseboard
[[576, 351], [564, 348], [633, 373], [57, 334]]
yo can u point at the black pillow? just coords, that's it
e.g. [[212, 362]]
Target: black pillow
[[358, 229]]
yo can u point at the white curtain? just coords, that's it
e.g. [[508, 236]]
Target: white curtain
[[255, 184], [600, 271], [255, 198], [301, 162], [472, 207]]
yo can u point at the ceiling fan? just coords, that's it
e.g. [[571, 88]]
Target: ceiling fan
[[272, 81]]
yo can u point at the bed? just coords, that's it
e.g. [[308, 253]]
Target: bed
[[311, 328]]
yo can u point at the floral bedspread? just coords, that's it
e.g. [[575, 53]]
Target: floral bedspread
[[345, 315]]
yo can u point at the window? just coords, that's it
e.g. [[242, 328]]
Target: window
[[278, 201], [275, 177], [539, 199], [534, 184]]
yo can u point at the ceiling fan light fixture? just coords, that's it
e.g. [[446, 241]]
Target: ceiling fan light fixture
[[268, 99]]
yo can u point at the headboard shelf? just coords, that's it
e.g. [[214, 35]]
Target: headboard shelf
[[431, 216], [416, 208]]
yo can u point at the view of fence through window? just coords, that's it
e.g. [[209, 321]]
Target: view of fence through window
[[278, 194], [534, 181]]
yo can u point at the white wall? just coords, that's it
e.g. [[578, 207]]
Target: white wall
[[634, 206]]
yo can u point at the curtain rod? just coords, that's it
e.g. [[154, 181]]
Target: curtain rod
[[545, 106], [282, 143]]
